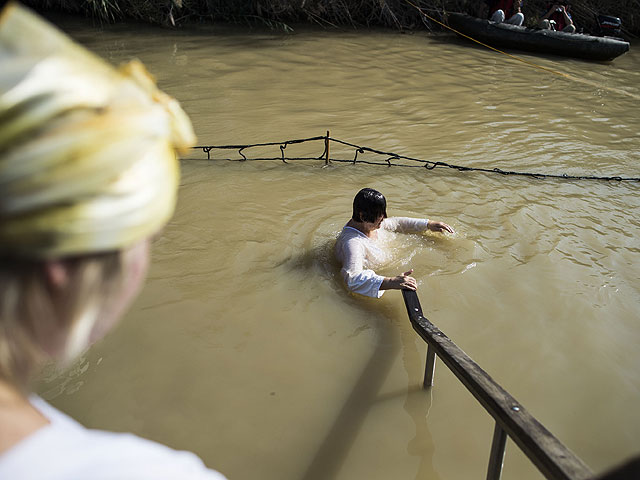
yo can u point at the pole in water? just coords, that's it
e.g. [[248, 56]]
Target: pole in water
[[326, 148]]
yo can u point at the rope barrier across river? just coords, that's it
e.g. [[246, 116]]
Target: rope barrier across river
[[389, 159]]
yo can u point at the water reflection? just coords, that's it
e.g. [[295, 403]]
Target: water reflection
[[336, 444]]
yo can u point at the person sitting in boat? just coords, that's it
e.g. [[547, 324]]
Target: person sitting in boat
[[508, 11], [558, 18], [357, 247]]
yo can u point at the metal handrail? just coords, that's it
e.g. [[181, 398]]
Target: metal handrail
[[546, 452]]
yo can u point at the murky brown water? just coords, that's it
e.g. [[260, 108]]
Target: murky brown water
[[245, 348]]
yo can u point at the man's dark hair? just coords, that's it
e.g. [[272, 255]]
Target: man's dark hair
[[369, 205]]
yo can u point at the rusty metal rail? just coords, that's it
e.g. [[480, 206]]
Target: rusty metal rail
[[546, 452]]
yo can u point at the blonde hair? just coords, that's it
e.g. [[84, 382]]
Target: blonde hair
[[39, 323]]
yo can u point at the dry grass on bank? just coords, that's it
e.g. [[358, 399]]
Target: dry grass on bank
[[279, 14]]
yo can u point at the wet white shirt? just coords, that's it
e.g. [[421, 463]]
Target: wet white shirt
[[359, 254], [65, 450]]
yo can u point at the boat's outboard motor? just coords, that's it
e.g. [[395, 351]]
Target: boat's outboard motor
[[609, 26]]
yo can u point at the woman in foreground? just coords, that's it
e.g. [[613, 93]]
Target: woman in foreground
[[88, 174], [358, 250]]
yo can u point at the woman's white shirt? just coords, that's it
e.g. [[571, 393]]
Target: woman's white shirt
[[360, 254], [65, 450]]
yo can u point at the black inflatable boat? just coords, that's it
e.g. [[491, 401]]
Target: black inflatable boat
[[575, 45]]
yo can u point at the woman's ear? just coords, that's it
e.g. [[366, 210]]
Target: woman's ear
[[57, 274]]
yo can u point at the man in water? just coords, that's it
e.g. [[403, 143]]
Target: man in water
[[357, 247]]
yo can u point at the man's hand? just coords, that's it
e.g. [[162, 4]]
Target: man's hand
[[439, 227], [401, 282]]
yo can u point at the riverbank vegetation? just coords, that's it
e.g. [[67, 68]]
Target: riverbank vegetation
[[281, 14]]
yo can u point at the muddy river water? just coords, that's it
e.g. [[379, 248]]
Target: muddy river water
[[245, 347]]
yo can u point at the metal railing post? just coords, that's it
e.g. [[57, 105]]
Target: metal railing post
[[430, 368], [496, 458]]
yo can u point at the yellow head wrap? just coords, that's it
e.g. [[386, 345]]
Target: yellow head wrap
[[87, 152]]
